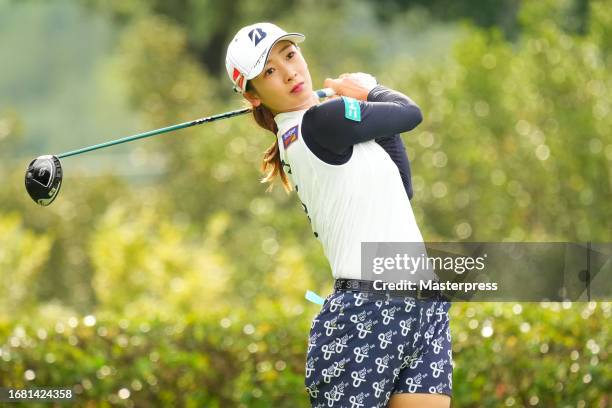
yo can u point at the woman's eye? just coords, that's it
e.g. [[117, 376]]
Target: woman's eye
[[290, 55], [269, 71]]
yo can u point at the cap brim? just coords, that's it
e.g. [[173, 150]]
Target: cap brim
[[294, 37]]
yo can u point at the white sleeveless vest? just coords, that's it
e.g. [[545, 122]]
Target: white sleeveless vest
[[362, 200]]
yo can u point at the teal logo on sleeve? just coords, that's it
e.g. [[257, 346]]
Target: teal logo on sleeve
[[352, 110]]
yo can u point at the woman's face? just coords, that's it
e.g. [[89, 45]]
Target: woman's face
[[275, 86]]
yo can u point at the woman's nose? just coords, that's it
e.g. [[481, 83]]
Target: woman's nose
[[291, 76]]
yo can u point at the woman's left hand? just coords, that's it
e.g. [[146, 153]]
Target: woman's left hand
[[355, 85]]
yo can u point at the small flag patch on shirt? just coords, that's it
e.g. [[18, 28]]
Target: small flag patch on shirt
[[290, 136], [352, 110]]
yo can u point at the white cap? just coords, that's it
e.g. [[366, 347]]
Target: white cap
[[248, 51]]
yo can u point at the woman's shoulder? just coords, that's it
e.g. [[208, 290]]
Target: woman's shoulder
[[320, 115]]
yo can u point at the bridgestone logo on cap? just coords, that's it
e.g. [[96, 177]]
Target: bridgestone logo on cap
[[256, 35]]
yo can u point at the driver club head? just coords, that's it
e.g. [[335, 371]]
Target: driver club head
[[43, 179]]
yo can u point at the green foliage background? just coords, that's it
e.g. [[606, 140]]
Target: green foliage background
[[164, 275]]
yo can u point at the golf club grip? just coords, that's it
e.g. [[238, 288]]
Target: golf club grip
[[321, 93], [325, 92]]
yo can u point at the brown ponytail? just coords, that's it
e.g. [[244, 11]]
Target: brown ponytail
[[271, 165]]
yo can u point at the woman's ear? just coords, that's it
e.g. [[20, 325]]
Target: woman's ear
[[252, 98]]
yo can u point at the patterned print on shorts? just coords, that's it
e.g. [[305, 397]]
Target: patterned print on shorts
[[364, 347]]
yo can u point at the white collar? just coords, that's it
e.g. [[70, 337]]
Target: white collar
[[283, 117]]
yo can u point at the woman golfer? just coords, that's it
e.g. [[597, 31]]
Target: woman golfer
[[346, 161]]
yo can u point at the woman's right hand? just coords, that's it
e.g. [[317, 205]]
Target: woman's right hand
[[355, 85]]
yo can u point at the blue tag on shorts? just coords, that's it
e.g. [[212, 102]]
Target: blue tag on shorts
[[314, 298]]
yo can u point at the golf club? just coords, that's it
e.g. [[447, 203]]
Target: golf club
[[43, 177]]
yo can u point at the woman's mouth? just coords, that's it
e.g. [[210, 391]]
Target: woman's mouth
[[298, 88]]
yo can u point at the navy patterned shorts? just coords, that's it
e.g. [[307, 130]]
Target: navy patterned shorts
[[363, 347]]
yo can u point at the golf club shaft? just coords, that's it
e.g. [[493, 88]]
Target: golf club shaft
[[325, 92]]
